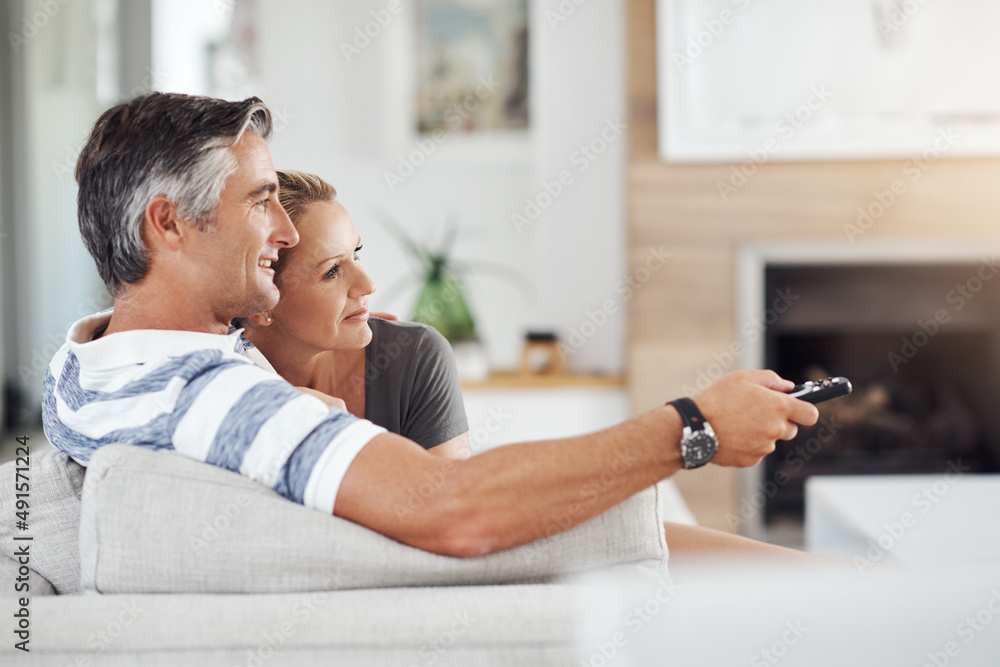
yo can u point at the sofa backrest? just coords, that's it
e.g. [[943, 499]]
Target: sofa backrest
[[156, 522]]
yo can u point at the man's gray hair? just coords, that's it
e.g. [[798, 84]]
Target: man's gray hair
[[158, 144]]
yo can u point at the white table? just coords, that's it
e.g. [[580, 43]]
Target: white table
[[780, 615], [905, 519]]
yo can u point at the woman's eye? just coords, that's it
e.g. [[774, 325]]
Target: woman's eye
[[332, 273]]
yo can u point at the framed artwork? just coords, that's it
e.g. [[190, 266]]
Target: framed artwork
[[818, 80], [472, 65]]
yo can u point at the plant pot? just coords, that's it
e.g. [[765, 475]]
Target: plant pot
[[470, 357], [442, 305]]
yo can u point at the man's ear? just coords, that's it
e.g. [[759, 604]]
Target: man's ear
[[160, 226]]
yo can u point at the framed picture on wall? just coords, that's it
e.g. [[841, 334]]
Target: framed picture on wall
[[819, 80], [472, 65]]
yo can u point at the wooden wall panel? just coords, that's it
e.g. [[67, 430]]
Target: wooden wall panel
[[685, 313]]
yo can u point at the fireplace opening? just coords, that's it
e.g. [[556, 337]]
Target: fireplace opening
[[922, 350]]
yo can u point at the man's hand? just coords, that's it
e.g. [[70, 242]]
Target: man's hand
[[331, 401], [750, 411]]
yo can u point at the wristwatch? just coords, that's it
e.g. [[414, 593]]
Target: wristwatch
[[698, 441]]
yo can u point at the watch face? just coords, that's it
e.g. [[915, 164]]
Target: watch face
[[699, 448]]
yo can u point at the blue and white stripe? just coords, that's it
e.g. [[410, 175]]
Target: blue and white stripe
[[203, 398]]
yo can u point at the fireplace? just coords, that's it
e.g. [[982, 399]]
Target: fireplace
[[917, 331]]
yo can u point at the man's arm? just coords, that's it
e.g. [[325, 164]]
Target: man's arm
[[512, 495], [459, 447]]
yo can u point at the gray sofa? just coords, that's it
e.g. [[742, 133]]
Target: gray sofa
[[152, 559]]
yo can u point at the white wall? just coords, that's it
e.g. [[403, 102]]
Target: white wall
[[579, 92], [181, 28]]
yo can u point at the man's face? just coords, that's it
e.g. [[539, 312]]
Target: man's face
[[234, 254]]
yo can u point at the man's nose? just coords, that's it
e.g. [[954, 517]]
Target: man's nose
[[284, 231]]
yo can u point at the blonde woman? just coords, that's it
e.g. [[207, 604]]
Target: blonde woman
[[320, 335]]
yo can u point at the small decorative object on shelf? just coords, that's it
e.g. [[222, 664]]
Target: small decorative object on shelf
[[541, 354]]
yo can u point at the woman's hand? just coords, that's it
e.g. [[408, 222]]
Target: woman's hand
[[331, 401]]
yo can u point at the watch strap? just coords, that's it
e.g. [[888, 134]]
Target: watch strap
[[691, 416]]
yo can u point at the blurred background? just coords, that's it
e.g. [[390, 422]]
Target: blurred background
[[424, 114], [666, 191]]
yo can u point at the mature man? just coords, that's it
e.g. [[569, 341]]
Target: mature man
[[178, 206]]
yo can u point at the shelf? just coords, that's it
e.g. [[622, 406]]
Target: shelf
[[516, 380]]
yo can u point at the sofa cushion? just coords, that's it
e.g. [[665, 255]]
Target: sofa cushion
[[155, 522], [445, 625], [55, 482]]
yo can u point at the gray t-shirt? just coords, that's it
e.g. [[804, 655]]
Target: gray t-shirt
[[411, 383]]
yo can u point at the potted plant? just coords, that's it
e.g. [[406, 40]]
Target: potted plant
[[442, 302]]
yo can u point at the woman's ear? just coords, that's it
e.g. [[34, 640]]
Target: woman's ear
[[262, 320]]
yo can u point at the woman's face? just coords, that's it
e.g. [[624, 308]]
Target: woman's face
[[324, 290]]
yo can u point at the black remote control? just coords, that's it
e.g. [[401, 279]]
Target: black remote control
[[821, 390]]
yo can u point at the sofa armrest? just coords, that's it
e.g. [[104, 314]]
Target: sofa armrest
[[18, 580]]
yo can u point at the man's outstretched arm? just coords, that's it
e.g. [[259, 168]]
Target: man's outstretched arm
[[519, 493]]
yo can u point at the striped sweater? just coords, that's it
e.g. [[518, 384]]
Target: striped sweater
[[198, 394]]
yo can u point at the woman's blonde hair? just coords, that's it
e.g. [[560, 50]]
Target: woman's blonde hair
[[297, 192]]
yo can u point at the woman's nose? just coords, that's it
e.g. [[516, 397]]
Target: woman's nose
[[363, 285]]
